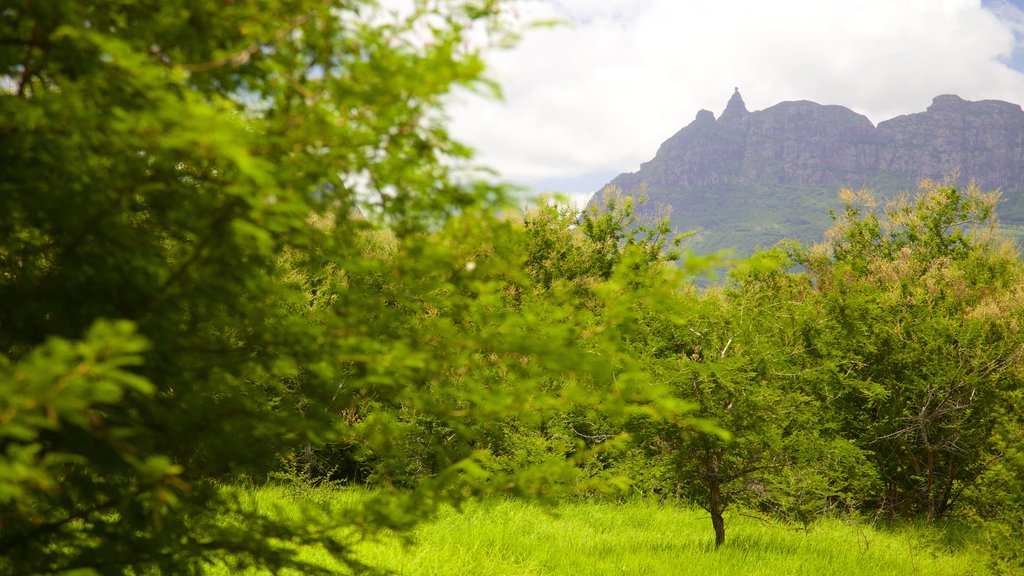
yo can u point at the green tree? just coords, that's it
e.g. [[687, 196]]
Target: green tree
[[737, 353], [498, 353], [1005, 503], [995, 503], [190, 294], [597, 262], [914, 310]]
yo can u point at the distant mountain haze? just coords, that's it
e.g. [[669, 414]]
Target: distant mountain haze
[[749, 179]]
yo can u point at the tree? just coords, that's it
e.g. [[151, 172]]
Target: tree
[[499, 353], [914, 310], [548, 265], [599, 263], [1002, 497], [736, 352], [190, 294]]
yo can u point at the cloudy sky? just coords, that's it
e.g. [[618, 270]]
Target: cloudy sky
[[596, 96]]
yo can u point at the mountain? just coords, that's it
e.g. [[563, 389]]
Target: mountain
[[750, 179]]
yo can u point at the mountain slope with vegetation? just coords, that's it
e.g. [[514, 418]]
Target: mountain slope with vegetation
[[751, 179]]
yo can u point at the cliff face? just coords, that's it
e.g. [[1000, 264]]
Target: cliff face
[[984, 140], [771, 174]]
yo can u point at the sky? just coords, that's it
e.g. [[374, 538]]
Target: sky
[[596, 95]]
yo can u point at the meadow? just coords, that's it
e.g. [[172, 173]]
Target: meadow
[[643, 537]]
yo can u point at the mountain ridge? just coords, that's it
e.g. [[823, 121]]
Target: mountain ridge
[[749, 179]]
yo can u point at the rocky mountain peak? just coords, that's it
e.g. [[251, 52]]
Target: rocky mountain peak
[[735, 109]]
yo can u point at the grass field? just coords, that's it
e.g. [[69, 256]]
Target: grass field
[[644, 538]]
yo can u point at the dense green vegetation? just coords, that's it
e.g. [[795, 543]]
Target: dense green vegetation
[[238, 246]]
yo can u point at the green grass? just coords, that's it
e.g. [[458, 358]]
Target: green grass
[[515, 538]]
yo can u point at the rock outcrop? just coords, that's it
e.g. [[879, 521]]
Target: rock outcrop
[[753, 178]]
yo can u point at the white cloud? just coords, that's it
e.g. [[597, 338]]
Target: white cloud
[[602, 93]]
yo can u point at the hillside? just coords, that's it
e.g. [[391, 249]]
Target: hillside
[[750, 179]]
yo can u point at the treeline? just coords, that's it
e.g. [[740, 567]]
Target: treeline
[[238, 244], [883, 377]]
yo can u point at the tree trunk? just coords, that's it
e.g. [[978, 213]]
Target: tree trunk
[[715, 507]]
